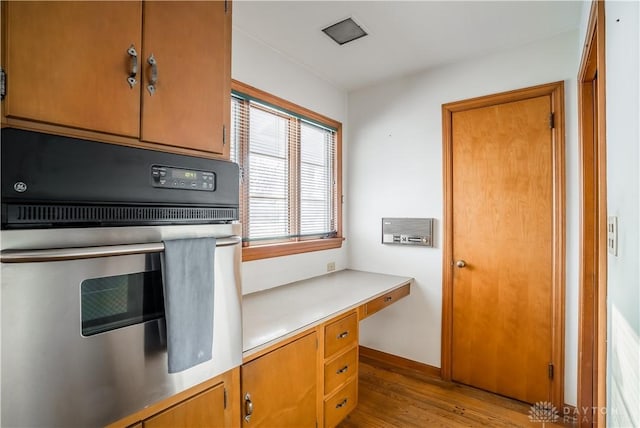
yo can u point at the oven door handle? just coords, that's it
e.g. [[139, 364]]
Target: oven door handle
[[60, 254]]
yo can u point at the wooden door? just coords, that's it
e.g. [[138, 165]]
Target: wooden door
[[203, 410], [67, 63], [191, 44], [282, 386], [502, 180]]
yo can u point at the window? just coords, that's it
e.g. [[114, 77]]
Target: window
[[290, 162]]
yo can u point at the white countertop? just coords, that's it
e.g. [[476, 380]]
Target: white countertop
[[273, 314]]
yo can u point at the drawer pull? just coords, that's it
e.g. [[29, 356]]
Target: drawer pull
[[341, 404], [342, 370], [342, 335], [248, 407], [153, 80], [134, 66], [388, 298]]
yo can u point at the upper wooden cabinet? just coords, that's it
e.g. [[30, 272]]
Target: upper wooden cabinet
[[67, 64], [191, 44], [89, 66]]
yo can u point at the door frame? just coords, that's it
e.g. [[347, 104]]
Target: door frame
[[592, 323], [556, 92]]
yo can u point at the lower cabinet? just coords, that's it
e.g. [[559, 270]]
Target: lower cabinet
[[340, 366], [337, 406], [311, 381], [211, 404], [204, 410], [279, 388]]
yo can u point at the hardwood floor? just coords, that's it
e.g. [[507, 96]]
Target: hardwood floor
[[389, 397]]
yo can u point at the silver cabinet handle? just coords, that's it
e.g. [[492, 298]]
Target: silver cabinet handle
[[134, 66], [342, 335], [341, 404], [153, 80], [60, 254], [461, 263], [248, 407]]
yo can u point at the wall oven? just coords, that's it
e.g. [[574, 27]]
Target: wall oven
[[83, 326]]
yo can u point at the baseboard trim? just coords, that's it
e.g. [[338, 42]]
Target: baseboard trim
[[400, 364], [570, 415]]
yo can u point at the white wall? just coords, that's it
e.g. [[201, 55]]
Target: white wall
[[395, 170], [622, 51], [260, 66]]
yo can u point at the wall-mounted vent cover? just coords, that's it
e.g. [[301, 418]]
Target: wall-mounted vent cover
[[345, 31]]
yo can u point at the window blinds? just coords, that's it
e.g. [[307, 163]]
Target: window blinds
[[288, 167]]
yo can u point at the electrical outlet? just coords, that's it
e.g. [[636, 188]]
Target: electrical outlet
[[331, 266], [612, 235]]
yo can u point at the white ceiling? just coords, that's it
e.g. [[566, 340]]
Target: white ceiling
[[404, 36]]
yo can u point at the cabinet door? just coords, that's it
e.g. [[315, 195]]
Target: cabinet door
[[204, 410], [191, 45], [282, 386], [67, 63]]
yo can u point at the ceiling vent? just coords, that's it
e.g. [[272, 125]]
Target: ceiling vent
[[344, 31]]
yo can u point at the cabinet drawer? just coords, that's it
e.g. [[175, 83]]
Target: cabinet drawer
[[340, 335], [339, 370], [383, 301], [341, 404]]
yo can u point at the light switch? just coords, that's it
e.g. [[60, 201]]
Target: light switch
[[612, 235]]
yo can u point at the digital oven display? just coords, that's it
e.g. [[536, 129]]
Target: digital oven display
[[185, 179], [184, 174]]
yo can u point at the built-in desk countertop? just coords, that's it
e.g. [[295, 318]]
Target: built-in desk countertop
[[272, 315]]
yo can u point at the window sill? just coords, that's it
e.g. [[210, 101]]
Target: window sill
[[288, 248]]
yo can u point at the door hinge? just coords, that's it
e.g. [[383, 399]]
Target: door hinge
[[225, 398], [551, 371], [224, 134], [552, 120], [3, 83]]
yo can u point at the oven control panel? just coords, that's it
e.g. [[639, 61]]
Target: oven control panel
[[179, 178]]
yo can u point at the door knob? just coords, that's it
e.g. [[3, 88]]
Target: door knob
[[461, 263]]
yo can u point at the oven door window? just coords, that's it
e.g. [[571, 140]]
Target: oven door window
[[118, 301]]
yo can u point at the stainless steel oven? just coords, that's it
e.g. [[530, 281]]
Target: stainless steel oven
[[82, 306]]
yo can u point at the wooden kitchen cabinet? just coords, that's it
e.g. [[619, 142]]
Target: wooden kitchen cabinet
[[382, 302], [203, 410], [69, 69], [340, 368], [214, 404], [67, 64], [191, 43], [279, 388]]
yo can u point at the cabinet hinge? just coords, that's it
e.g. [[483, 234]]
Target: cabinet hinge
[[551, 371], [552, 120], [225, 398], [3, 83], [224, 135]]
